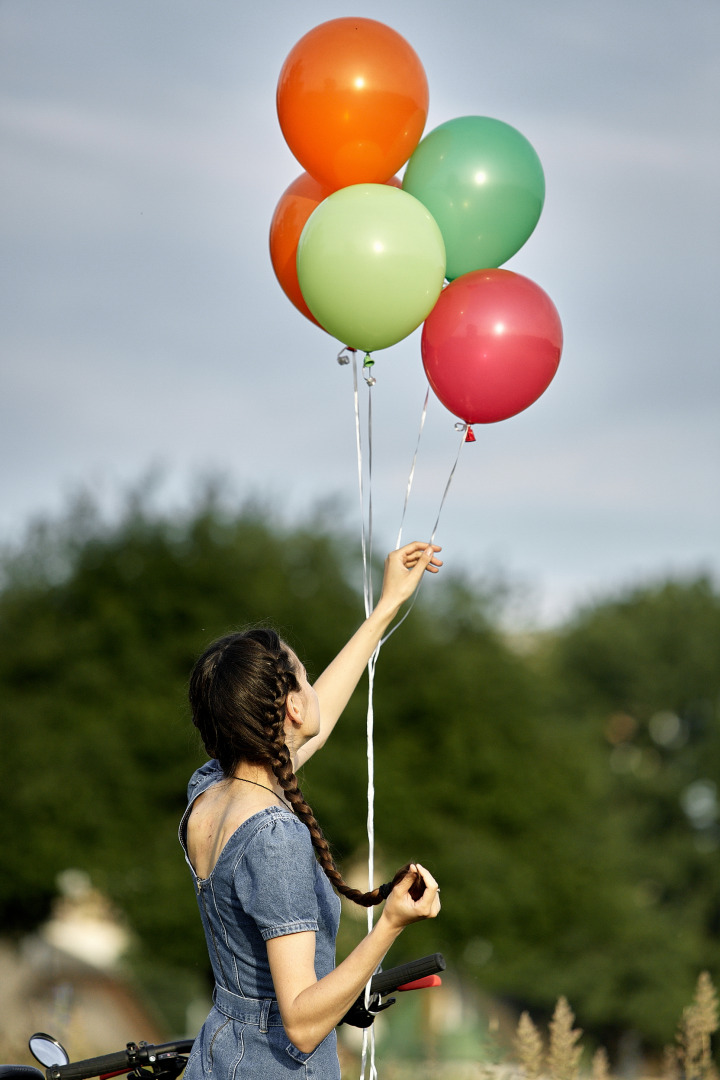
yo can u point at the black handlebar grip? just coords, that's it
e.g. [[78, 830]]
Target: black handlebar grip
[[83, 1070], [123, 1061], [386, 981]]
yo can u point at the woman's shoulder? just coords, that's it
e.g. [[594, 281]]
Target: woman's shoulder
[[275, 835], [276, 824], [202, 778]]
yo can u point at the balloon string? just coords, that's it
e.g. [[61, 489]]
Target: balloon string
[[465, 428], [358, 445], [368, 1046], [411, 477], [371, 837], [371, 597]]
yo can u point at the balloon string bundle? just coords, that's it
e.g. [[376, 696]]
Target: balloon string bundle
[[345, 356], [411, 477], [368, 1044]]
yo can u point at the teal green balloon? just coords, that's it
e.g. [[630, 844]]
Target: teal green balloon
[[483, 183], [371, 265]]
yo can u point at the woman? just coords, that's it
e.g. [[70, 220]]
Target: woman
[[261, 865]]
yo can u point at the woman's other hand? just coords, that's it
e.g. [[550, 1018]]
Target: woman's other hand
[[401, 907]]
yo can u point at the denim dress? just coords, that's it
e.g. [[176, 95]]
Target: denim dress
[[265, 884]]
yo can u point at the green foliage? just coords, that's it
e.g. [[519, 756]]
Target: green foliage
[[641, 675], [552, 794], [97, 637]]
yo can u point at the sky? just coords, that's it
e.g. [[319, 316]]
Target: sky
[[143, 331]]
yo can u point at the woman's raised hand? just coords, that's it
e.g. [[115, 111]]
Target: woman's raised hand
[[401, 908], [403, 570]]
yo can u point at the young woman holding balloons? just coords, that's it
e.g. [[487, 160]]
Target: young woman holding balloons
[[262, 869]]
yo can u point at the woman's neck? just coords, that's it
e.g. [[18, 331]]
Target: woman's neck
[[259, 776]]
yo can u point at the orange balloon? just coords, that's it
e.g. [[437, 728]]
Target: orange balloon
[[352, 101], [294, 207], [292, 211]]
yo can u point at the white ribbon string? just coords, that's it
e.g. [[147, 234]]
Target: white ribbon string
[[368, 1043], [358, 443], [460, 427], [463, 429], [411, 477], [370, 497], [370, 1033]]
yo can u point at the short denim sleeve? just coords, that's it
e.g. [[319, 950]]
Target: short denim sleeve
[[202, 778], [276, 878]]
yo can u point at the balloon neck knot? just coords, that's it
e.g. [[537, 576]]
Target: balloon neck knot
[[368, 363], [343, 357], [469, 433]]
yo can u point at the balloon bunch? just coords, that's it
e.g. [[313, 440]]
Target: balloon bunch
[[354, 252], [366, 258]]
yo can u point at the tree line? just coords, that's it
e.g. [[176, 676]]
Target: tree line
[[563, 793]]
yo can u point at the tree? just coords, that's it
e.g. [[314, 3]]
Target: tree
[[492, 767], [641, 675]]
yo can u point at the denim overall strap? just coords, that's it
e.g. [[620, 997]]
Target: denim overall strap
[[261, 1011]]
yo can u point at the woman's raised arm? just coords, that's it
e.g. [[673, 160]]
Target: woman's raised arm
[[404, 569]]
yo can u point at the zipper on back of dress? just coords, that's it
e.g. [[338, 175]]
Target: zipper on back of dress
[[201, 894]]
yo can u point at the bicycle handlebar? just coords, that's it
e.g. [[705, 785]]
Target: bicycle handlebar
[[121, 1061], [396, 977], [134, 1056], [384, 982]]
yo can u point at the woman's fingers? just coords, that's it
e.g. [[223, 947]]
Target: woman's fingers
[[429, 899], [427, 877], [404, 569], [419, 552], [415, 897]]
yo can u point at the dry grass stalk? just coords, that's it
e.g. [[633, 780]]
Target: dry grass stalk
[[600, 1064], [699, 1023], [563, 1055], [529, 1047], [670, 1064], [706, 1004]]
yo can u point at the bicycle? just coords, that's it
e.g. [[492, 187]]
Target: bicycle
[[165, 1061]]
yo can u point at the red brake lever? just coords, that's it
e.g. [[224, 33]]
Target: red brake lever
[[420, 984]]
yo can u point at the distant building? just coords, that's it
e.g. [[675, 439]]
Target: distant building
[[67, 980]]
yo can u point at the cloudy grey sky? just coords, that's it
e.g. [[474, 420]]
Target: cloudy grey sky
[[142, 325]]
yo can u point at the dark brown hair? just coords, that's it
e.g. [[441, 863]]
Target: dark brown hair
[[238, 690]]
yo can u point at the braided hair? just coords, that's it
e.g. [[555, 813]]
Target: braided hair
[[238, 691]]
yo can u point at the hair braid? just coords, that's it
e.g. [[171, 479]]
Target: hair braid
[[238, 693]]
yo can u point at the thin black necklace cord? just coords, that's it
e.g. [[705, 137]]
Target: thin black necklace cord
[[264, 787]]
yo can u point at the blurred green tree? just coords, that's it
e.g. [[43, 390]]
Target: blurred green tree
[[99, 627], [640, 675], [563, 872]]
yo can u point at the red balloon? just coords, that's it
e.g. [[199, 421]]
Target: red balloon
[[352, 101], [491, 345]]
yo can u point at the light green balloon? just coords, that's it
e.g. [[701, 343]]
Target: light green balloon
[[371, 265], [483, 183]]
